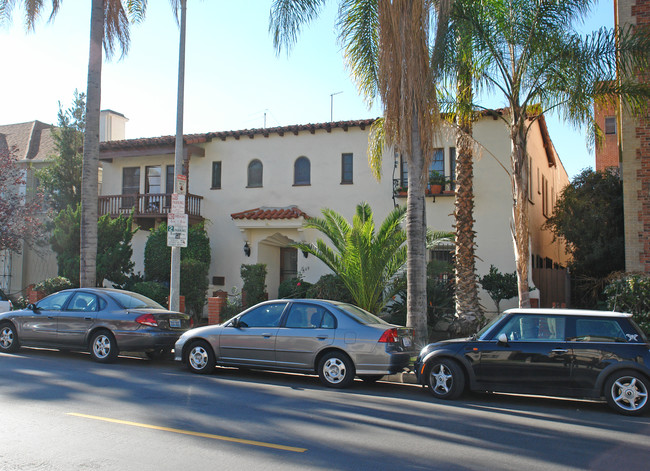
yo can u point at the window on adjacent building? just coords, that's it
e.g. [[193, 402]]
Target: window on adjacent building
[[346, 168], [216, 175], [153, 182], [438, 162], [452, 167], [545, 197], [403, 172], [169, 184], [130, 185], [255, 170], [610, 125], [302, 171]]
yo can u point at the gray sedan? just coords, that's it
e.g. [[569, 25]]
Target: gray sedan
[[337, 341], [101, 320]]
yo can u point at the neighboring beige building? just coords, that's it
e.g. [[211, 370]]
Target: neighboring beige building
[[35, 144], [35, 147], [255, 188]]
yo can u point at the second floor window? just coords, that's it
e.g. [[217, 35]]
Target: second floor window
[[302, 171], [610, 125], [216, 175], [255, 169], [346, 168]]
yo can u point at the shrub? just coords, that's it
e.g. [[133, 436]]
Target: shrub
[[194, 286], [254, 290], [330, 287], [499, 285], [294, 288], [152, 290], [631, 293], [53, 285]]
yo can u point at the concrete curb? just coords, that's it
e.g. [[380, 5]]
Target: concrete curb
[[405, 378]]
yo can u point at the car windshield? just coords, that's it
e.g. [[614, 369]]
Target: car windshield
[[129, 300], [360, 315], [487, 326]]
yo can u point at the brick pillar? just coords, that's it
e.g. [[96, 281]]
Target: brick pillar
[[215, 306], [34, 296]]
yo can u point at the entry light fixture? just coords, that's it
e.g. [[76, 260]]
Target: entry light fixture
[[247, 249], [305, 253]]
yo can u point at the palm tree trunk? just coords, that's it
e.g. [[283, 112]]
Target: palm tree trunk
[[89, 182], [468, 308], [416, 265], [521, 233]]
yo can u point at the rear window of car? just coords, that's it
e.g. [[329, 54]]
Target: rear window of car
[[599, 330], [129, 300], [360, 315]]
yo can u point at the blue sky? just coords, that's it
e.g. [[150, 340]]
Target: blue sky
[[233, 76]]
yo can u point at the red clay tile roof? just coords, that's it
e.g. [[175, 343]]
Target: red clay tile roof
[[163, 141], [289, 212]]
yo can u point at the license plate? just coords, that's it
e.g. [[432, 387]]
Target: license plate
[[406, 341], [174, 322]]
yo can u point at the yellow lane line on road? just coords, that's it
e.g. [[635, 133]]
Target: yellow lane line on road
[[194, 434]]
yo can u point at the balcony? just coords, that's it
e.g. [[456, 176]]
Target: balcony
[[148, 208], [446, 188]]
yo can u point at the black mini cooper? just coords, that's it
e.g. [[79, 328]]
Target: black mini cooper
[[556, 352]]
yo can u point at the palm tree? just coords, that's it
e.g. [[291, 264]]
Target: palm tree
[[109, 28], [532, 55], [365, 259], [386, 44]]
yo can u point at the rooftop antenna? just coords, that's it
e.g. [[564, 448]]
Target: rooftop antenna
[[265, 118], [332, 104]]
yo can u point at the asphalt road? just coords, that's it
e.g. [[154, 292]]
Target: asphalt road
[[61, 411]]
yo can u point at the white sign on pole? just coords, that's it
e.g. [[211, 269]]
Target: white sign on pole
[[176, 230], [181, 184], [178, 204]]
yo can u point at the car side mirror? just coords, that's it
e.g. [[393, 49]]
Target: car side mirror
[[32, 307], [235, 323], [502, 338]]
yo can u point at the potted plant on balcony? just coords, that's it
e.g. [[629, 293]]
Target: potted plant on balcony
[[401, 190], [436, 182]]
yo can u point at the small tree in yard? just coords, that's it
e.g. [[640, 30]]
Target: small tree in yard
[[19, 221], [631, 293], [499, 286], [114, 242], [61, 178]]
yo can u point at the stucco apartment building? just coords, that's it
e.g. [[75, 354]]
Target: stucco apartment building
[[256, 188]]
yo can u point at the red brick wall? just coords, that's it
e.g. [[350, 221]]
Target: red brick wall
[[641, 12], [607, 153]]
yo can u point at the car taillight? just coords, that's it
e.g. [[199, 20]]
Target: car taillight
[[191, 322], [147, 319], [389, 336]]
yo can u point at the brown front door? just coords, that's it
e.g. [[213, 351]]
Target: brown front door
[[288, 263]]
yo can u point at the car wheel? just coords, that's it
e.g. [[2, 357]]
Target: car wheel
[[626, 392], [336, 370], [103, 347], [371, 378], [200, 357], [446, 379], [8, 338]]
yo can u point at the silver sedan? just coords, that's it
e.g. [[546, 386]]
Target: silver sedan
[[337, 341], [101, 320]]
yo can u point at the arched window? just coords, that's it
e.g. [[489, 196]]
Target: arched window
[[302, 171], [255, 174]]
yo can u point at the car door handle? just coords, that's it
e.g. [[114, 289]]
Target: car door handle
[[266, 336], [50, 317], [321, 337], [88, 318], [559, 350]]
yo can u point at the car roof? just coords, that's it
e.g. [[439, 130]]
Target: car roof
[[567, 312]]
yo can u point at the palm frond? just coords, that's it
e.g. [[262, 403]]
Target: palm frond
[[287, 18]]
